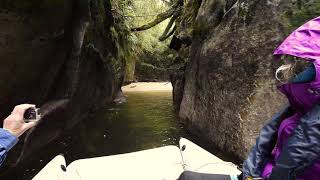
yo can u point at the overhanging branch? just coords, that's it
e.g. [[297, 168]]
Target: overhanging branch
[[164, 35], [163, 38], [160, 17]]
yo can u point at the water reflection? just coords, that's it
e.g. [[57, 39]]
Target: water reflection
[[145, 121]]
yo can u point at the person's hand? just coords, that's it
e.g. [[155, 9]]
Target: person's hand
[[15, 123]]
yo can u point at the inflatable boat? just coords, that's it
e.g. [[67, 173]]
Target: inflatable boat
[[163, 163]]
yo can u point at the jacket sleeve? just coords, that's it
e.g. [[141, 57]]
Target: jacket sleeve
[[261, 151], [302, 148], [7, 141]]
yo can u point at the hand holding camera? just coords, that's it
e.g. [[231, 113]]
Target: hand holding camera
[[22, 118]]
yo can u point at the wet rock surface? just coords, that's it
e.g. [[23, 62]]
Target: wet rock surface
[[66, 61]]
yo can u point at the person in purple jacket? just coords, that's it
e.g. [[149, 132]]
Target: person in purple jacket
[[13, 127], [288, 147]]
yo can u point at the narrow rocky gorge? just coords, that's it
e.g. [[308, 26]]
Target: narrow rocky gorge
[[71, 58]]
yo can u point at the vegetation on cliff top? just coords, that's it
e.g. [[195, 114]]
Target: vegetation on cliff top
[[152, 56], [303, 11]]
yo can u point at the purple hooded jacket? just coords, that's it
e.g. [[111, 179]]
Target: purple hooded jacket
[[289, 146], [304, 43]]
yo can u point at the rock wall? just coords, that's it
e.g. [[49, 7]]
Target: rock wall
[[228, 90], [68, 57]]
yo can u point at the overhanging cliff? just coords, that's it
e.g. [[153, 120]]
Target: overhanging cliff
[[69, 57]]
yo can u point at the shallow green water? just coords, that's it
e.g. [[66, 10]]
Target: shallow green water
[[146, 120]]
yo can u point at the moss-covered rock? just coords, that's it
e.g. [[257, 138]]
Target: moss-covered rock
[[54, 49], [246, 10], [299, 13]]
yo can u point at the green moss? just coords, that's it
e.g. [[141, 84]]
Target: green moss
[[201, 30], [190, 12], [130, 69], [188, 17], [100, 18], [247, 10], [203, 25], [300, 13], [149, 72], [109, 33]]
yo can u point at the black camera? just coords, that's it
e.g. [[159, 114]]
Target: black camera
[[31, 114]]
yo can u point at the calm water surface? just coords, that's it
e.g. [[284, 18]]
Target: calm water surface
[[146, 120]]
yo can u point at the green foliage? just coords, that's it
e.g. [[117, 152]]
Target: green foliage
[[304, 11], [125, 48], [247, 10], [150, 54], [149, 72], [123, 40], [141, 13], [187, 20]]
